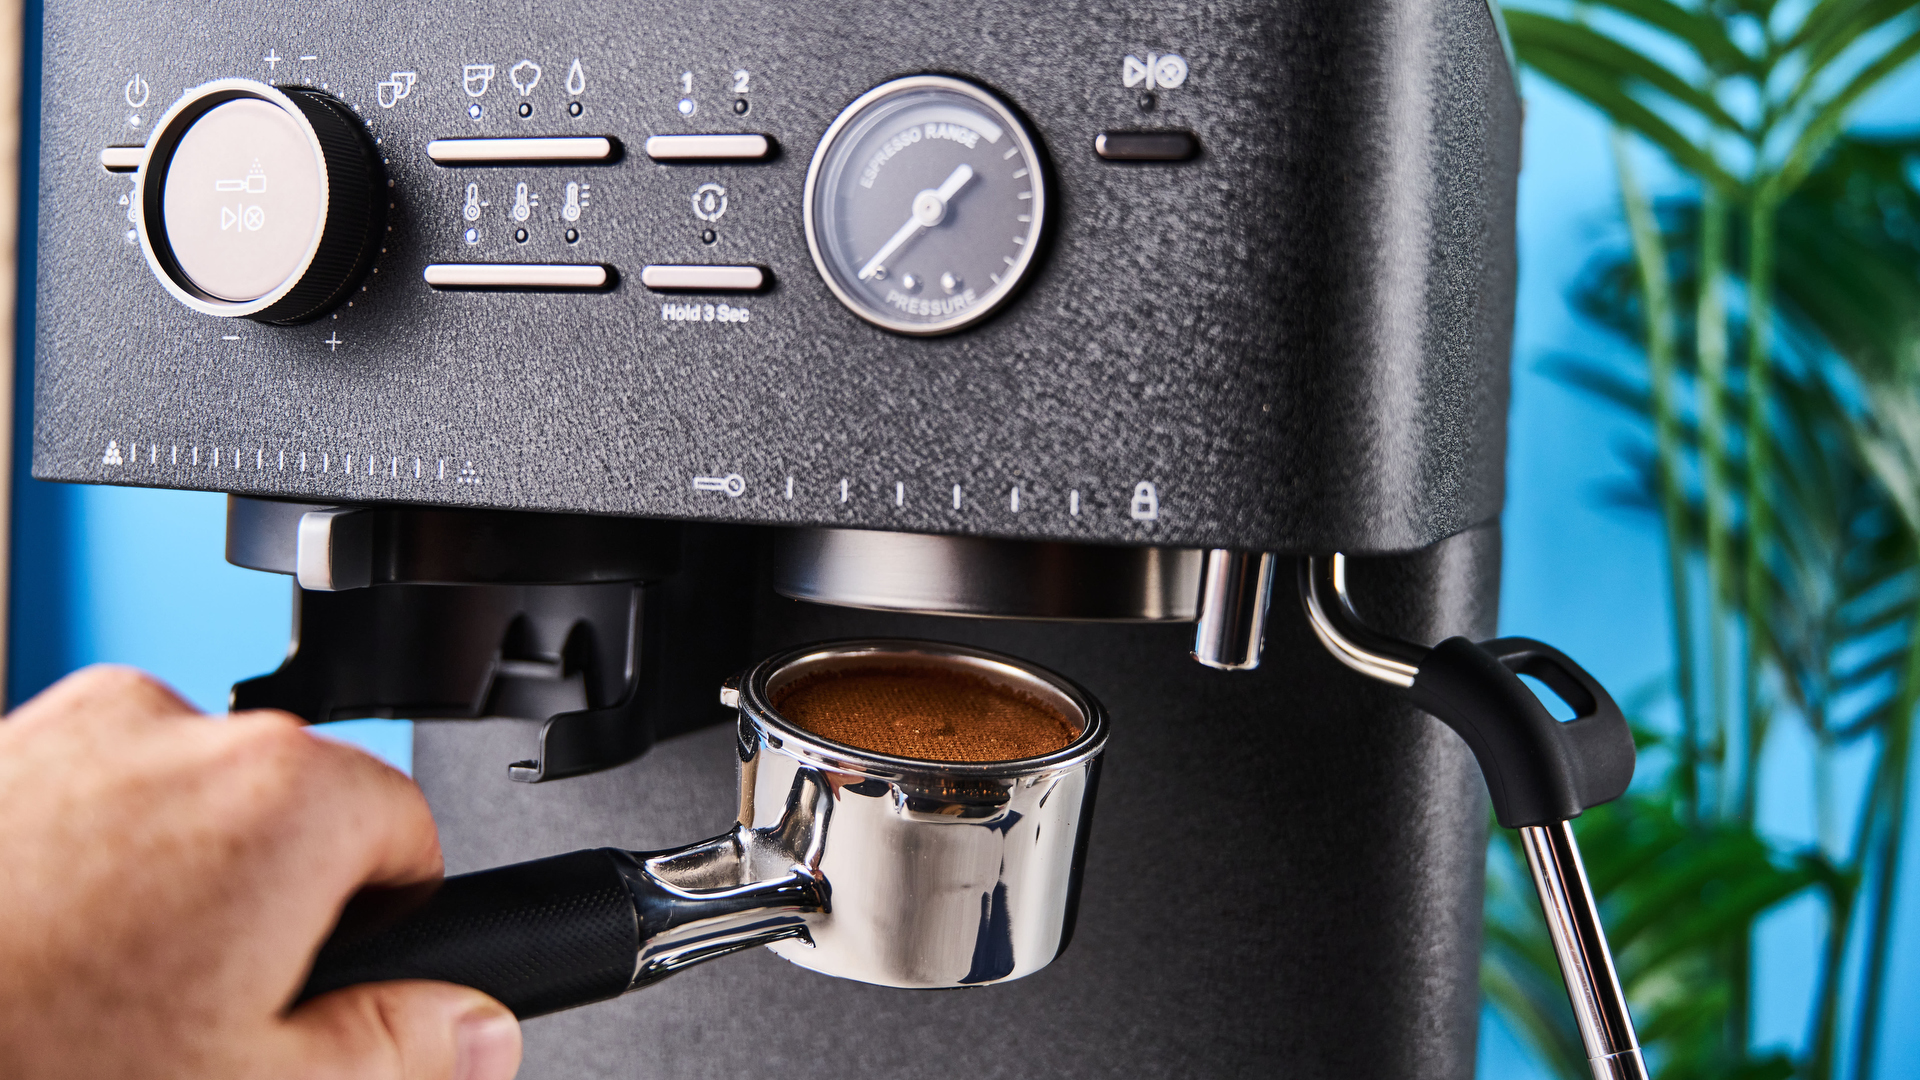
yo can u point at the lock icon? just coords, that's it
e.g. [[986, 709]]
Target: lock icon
[[1146, 502]]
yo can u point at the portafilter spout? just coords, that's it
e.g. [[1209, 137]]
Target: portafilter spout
[[1541, 773]]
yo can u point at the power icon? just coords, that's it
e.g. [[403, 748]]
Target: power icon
[[138, 92]]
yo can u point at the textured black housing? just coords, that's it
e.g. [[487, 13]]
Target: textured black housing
[[1299, 337]]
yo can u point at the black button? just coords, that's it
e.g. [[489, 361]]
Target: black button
[[1146, 145]]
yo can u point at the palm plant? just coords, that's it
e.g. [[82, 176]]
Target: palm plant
[[1789, 489]]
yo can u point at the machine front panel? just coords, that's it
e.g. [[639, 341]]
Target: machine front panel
[[1295, 339]]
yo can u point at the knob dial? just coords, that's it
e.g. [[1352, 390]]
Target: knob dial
[[260, 202]]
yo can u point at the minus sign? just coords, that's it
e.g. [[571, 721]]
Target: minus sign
[[310, 58], [230, 337]]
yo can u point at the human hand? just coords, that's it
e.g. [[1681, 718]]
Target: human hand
[[166, 879]]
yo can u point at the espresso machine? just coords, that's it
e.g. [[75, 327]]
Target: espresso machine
[[572, 358]]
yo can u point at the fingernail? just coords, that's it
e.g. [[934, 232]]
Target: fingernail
[[486, 1047]]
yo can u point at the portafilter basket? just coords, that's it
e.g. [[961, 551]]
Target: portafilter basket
[[889, 870]]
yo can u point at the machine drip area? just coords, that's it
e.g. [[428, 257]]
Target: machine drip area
[[912, 814]]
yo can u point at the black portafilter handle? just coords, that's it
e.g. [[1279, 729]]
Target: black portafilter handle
[[538, 936], [1539, 770]]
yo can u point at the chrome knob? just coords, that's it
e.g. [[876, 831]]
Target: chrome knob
[[260, 202]]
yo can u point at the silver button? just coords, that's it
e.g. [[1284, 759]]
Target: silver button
[[121, 158], [703, 278], [516, 276], [506, 151], [708, 147]]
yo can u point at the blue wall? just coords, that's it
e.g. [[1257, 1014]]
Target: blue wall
[[130, 576]]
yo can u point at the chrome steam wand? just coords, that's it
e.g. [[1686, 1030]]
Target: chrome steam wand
[[1541, 773]]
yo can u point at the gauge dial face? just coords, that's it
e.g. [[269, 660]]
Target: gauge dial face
[[924, 205]]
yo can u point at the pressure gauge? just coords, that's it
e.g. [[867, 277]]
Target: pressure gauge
[[924, 205]]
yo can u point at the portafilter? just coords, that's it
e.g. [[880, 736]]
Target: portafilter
[[892, 870]]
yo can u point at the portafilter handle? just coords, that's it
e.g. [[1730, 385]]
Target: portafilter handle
[[554, 933], [1540, 772], [538, 936]]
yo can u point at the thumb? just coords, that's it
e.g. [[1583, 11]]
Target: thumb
[[406, 1030]]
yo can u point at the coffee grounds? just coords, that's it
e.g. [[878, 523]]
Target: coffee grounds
[[929, 713]]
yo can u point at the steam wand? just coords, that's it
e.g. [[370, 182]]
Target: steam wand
[[1540, 772]]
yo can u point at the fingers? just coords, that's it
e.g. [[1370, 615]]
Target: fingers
[[371, 814], [402, 1031]]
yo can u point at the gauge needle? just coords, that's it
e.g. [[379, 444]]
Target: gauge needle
[[928, 208]]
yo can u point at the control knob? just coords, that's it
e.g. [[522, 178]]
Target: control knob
[[259, 201]]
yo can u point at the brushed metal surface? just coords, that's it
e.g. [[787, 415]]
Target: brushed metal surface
[[1007, 579]]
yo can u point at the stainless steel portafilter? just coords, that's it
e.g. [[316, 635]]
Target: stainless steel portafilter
[[888, 870]]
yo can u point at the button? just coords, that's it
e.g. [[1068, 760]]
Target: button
[[529, 151], [121, 158], [703, 278], [1146, 145], [709, 147], [516, 276], [244, 198]]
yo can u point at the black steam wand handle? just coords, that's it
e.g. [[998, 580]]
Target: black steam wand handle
[[538, 936], [1540, 772]]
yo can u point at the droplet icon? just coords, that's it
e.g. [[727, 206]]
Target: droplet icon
[[576, 78]]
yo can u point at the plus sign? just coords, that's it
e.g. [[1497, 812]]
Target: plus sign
[[333, 342], [272, 58]]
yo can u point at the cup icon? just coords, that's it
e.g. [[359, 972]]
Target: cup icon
[[475, 78]]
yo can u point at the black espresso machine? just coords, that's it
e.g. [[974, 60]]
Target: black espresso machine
[[572, 356]]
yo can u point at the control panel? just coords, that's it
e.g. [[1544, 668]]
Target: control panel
[[1044, 271]]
